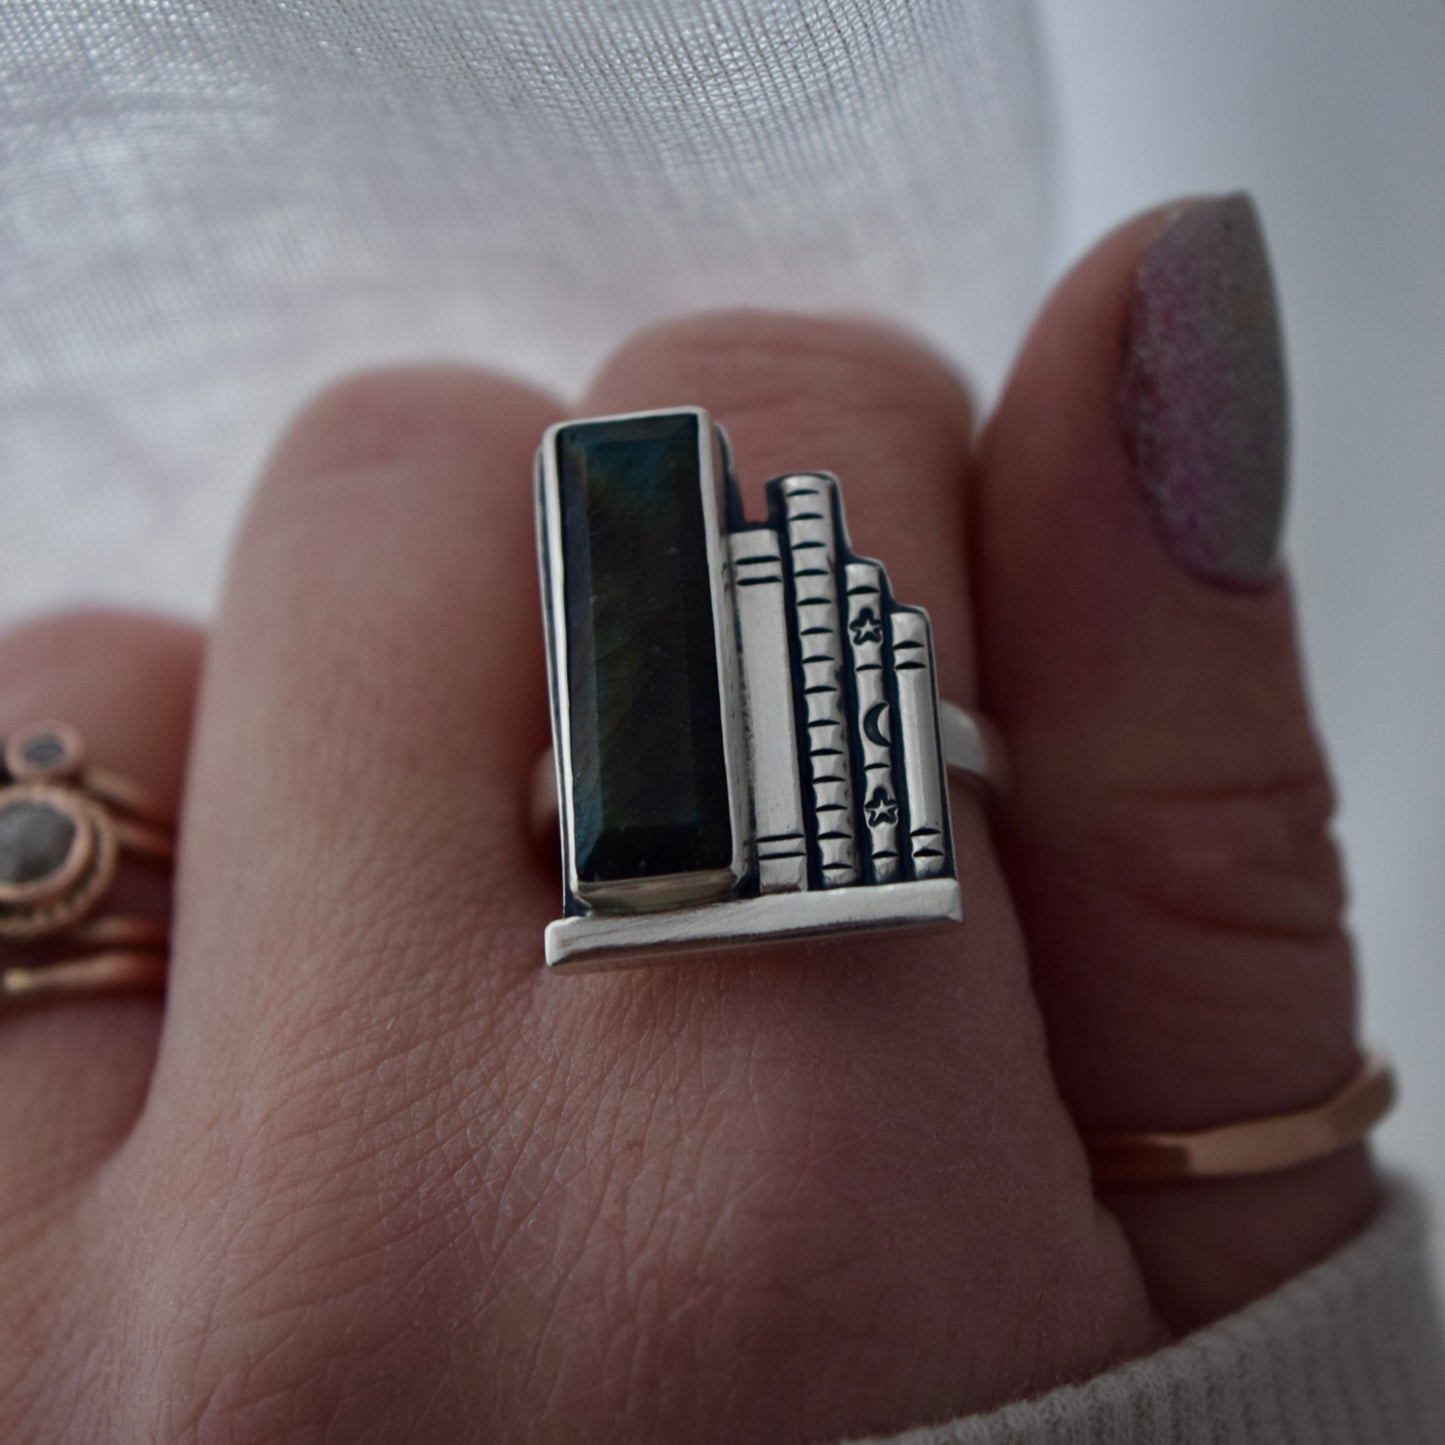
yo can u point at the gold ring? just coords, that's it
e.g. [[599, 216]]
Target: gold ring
[[64, 828], [1253, 1146]]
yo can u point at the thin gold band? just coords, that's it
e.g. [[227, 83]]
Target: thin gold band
[[118, 972], [118, 930], [128, 797], [1255, 1146]]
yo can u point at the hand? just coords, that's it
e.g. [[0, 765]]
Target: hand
[[375, 1175]]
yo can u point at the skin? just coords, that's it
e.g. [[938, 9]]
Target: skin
[[373, 1176]]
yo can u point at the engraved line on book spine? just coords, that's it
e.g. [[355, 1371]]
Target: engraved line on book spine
[[777, 792], [918, 742], [873, 720], [808, 508]]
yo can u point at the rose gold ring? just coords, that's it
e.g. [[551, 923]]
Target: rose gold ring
[[1254, 1146], [64, 828]]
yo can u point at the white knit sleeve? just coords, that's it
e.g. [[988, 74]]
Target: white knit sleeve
[[1349, 1353]]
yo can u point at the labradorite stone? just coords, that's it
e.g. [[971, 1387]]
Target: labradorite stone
[[44, 751], [35, 841], [649, 781]]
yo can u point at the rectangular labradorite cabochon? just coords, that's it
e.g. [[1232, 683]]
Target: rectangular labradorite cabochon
[[649, 772]]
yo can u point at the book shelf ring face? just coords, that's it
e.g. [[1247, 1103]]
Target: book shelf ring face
[[745, 720]]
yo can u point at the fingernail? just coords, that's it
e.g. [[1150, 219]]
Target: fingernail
[[1205, 411]]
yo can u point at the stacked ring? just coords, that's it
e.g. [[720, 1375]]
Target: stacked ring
[[64, 827]]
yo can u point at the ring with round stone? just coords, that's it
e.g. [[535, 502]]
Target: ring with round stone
[[64, 828], [748, 743]]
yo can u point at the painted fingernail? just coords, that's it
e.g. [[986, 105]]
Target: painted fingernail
[[1205, 409]]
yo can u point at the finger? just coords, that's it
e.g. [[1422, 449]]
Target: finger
[[1168, 835], [806, 394], [666, 1162], [375, 693], [73, 1074]]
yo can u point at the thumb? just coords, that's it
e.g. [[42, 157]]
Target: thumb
[[1168, 836]]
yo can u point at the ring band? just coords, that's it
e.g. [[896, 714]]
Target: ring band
[[1255, 1146], [747, 739], [100, 973], [973, 749], [64, 828]]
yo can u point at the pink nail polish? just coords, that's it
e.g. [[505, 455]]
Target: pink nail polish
[[1204, 403]]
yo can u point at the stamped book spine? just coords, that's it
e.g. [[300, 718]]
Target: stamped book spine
[[759, 593], [926, 800], [809, 519], [868, 658]]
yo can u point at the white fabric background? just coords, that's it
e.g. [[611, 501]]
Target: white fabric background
[[211, 205], [208, 206]]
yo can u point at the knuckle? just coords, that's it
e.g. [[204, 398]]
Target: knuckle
[[94, 659], [74, 637], [380, 464], [1260, 860], [377, 499], [747, 362], [378, 419], [1222, 917]]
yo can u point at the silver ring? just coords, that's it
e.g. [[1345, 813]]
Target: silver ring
[[747, 739]]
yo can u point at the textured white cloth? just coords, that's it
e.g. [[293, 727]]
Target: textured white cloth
[[1349, 1353], [207, 207]]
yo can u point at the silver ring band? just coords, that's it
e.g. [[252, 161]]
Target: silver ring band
[[972, 747]]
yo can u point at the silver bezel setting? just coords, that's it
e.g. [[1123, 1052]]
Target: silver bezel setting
[[646, 894]]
